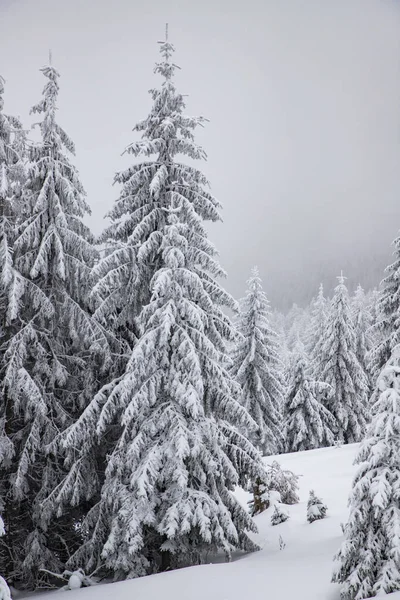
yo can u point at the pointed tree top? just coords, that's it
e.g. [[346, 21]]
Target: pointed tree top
[[50, 57], [166, 68], [255, 272], [341, 278]]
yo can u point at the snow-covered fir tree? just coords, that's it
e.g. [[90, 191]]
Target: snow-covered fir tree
[[385, 330], [308, 423], [280, 515], [297, 325], [316, 509], [258, 369], [277, 485], [368, 562], [372, 299], [45, 373], [283, 481], [12, 174], [362, 321], [340, 368], [168, 493], [317, 331]]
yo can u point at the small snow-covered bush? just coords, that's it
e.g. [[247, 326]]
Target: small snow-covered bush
[[316, 509], [279, 515]]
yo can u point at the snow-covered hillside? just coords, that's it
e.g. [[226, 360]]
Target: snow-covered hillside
[[301, 571]]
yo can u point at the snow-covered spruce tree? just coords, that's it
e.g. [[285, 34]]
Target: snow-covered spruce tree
[[308, 423], [45, 372], [280, 515], [297, 325], [317, 331], [372, 299], [362, 321], [316, 509], [368, 562], [340, 368], [168, 493], [385, 331], [12, 175], [277, 485], [258, 369], [283, 481]]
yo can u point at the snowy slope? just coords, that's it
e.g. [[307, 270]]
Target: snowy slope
[[301, 571]]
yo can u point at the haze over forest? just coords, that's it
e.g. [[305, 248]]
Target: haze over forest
[[304, 108]]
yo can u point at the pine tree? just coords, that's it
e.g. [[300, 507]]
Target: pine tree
[[167, 496], [385, 331], [258, 369], [45, 373], [362, 320], [279, 515], [11, 177], [340, 368], [308, 423], [316, 509], [317, 331], [368, 562], [278, 484], [297, 324]]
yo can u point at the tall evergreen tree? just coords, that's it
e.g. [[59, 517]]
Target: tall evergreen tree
[[297, 324], [340, 368], [12, 174], [308, 423], [317, 331], [45, 370], [362, 321], [368, 562], [258, 369], [385, 330], [168, 492]]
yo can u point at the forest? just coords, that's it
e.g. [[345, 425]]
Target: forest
[[137, 394]]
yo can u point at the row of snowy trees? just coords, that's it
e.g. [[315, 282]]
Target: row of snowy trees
[[320, 388], [333, 394]]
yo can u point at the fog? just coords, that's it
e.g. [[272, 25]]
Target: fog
[[303, 99]]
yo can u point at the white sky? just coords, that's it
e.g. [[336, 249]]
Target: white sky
[[303, 99]]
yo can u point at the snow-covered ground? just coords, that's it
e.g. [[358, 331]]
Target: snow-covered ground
[[300, 571]]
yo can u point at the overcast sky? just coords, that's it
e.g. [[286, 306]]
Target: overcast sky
[[303, 98]]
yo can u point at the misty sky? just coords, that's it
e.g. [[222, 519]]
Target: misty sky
[[303, 99]]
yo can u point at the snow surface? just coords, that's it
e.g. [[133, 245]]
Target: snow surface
[[301, 571]]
